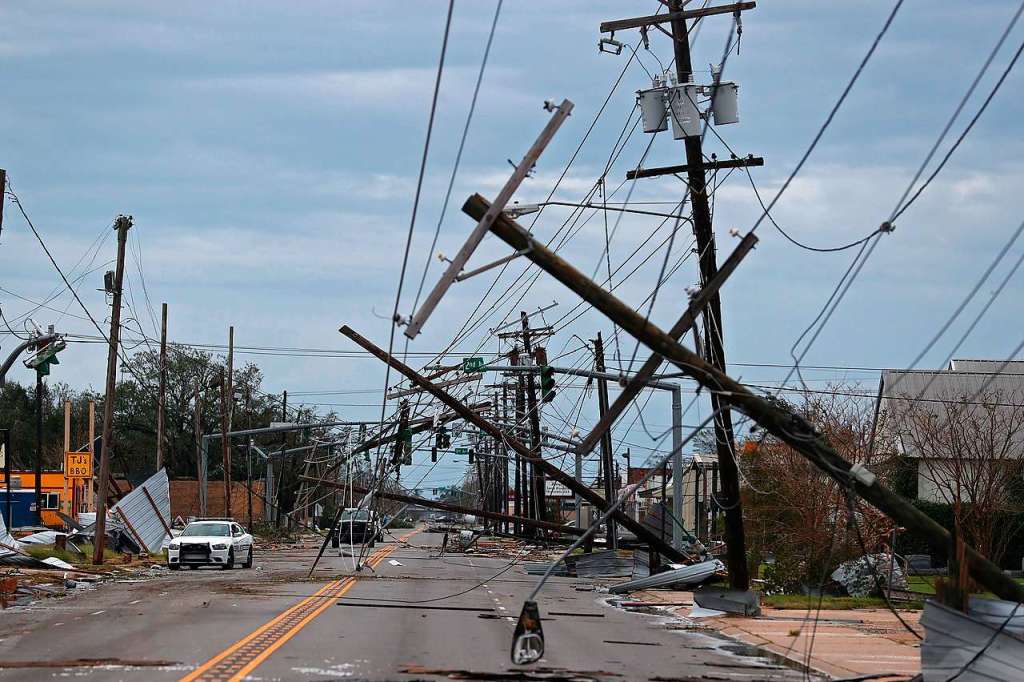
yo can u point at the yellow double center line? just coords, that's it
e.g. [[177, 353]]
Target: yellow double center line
[[242, 657]]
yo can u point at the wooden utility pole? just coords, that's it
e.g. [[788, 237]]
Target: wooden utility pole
[[248, 454], [607, 465], [522, 506], [122, 225], [714, 351], [537, 492], [197, 424], [90, 500], [225, 443], [161, 402], [65, 504], [231, 376]]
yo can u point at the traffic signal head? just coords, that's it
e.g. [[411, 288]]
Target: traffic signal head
[[547, 383], [472, 456], [46, 356]]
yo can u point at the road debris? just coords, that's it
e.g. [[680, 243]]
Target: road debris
[[682, 575]]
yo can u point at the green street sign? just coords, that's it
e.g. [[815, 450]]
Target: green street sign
[[461, 451], [470, 365]]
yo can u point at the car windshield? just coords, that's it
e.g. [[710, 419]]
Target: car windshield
[[220, 530], [355, 515]]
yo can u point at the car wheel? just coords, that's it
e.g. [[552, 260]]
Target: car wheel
[[335, 541], [174, 567], [248, 560], [230, 563]]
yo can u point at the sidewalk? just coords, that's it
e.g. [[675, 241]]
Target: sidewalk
[[846, 643]]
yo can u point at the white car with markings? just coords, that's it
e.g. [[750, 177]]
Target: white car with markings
[[209, 542]]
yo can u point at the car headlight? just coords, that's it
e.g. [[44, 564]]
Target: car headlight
[[219, 545], [174, 546]]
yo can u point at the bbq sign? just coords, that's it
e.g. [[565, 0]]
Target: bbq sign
[[78, 464]]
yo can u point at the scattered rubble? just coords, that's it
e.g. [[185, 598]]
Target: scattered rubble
[[861, 577]]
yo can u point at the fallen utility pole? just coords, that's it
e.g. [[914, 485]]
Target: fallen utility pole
[[782, 423], [642, 533], [455, 508], [455, 266], [121, 224], [686, 168]]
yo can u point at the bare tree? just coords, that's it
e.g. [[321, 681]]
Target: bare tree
[[969, 453]]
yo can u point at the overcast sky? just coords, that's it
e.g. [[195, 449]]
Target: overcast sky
[[269, 151]]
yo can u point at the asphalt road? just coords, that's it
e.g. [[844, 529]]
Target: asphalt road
[[396, 622]]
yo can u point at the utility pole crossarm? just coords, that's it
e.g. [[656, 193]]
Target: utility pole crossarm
[[654, 19], [748, 161], [550, 470], [456, 265], [782, 423]]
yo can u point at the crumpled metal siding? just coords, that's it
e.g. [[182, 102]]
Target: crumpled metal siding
[[140, 512]]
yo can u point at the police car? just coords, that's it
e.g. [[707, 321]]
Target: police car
[[211, 542]]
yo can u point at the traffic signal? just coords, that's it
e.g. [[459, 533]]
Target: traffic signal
[[471, 456], [433, 454], [547, 383], [46, 356], [444, 439]]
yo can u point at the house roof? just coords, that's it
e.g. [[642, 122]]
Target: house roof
[[973, 384]]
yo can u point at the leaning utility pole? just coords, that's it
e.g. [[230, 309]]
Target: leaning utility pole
[[161, 403], [606, 439], [735, 543], [121, 224], [537, 492]]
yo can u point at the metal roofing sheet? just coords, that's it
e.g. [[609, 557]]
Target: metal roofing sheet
[[145, 523]]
